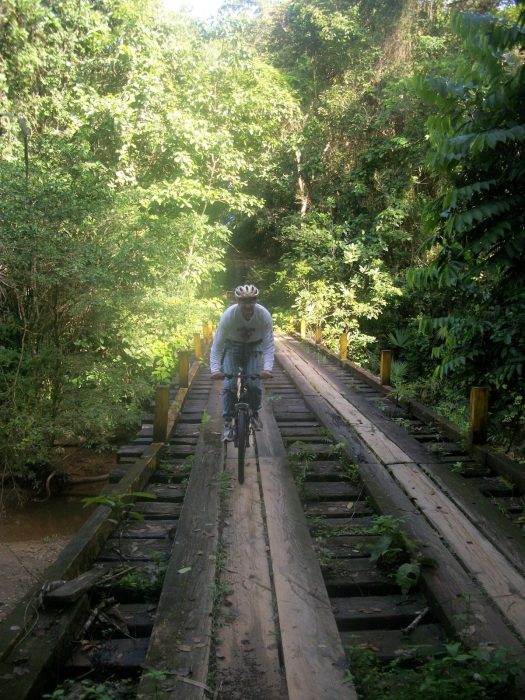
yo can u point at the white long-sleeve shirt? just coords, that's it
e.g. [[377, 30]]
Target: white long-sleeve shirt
[[233, 326]]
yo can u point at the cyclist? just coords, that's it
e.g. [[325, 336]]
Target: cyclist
[[244, 339]]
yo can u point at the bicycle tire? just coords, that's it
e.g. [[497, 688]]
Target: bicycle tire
[[243, 426]]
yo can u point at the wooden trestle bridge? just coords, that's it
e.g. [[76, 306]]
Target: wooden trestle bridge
[[255, 590]]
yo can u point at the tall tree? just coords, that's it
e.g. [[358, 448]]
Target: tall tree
[[478, 222], [147, 136]]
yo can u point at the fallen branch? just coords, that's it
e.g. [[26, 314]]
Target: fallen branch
[[95, 613], [415, 622], [189, 681], [48, 489]]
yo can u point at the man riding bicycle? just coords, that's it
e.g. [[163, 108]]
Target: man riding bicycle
[[244, 340]]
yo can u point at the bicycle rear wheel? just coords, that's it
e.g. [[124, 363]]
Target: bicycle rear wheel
[[243, 427]]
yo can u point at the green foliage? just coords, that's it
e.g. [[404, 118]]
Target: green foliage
[[394, 553], [332, 279], [144, 585], [86, 689], [357, 176], [146, 136], [300, 457], [477, 223], [398, 373], [291, 129], [120, 505], [156, 682], [459, 672]]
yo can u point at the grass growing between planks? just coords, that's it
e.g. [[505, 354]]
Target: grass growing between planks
[[300, 458], [469, 674]]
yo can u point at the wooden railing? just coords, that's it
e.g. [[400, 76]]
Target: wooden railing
[[478, 407], [165, 413], [479, 396]]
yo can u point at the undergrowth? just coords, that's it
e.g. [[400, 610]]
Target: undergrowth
[[476, 674]]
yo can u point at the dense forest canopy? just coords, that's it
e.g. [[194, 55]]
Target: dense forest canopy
[[368, 153]]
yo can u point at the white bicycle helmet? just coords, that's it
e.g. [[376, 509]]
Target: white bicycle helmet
[[246, 291]]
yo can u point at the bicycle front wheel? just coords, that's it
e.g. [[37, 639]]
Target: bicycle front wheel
[[243, 427]]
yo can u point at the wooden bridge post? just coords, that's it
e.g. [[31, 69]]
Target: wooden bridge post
[[184, 368], [210, 331], [303, 328], [479, 415], [318, 335], [385, 367], [160, 420], [343, 346], [197, 345]]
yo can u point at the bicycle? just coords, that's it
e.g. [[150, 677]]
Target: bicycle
[[242, 423]]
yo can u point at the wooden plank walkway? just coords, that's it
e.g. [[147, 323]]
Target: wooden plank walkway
[[247, 662], [181, 637], [313, 654], [495, 573]]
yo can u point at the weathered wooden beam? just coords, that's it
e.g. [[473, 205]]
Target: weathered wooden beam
[[303, 328], [445, 584], [343, 346], [313, 655], [385, 367], [495, 460], [184, 611], [479, 415], [72, 590], [197, 345], [184, 368], [37, 657]]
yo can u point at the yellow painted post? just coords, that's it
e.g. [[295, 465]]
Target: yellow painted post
[[197, 345], [205, 333], [184, 368], [343, 346], [318, 334], [303, 329], [385, 367], [210, 331], [160, 419], [479, 414]]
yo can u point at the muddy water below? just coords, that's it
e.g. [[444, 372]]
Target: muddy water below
[[33, 534], [58, 517]]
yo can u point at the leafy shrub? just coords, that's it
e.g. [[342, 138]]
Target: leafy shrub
[[475, 674]]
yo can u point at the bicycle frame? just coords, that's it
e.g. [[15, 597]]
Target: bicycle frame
[[242, 426], [241, 406]]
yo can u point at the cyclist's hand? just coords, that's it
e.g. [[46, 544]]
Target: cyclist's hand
[[265, 374], [217, 375]]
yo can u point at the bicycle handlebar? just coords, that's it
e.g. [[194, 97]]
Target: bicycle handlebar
[[241, 375]]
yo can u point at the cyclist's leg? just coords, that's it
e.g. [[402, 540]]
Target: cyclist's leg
[[253, 367], [230, 365]]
